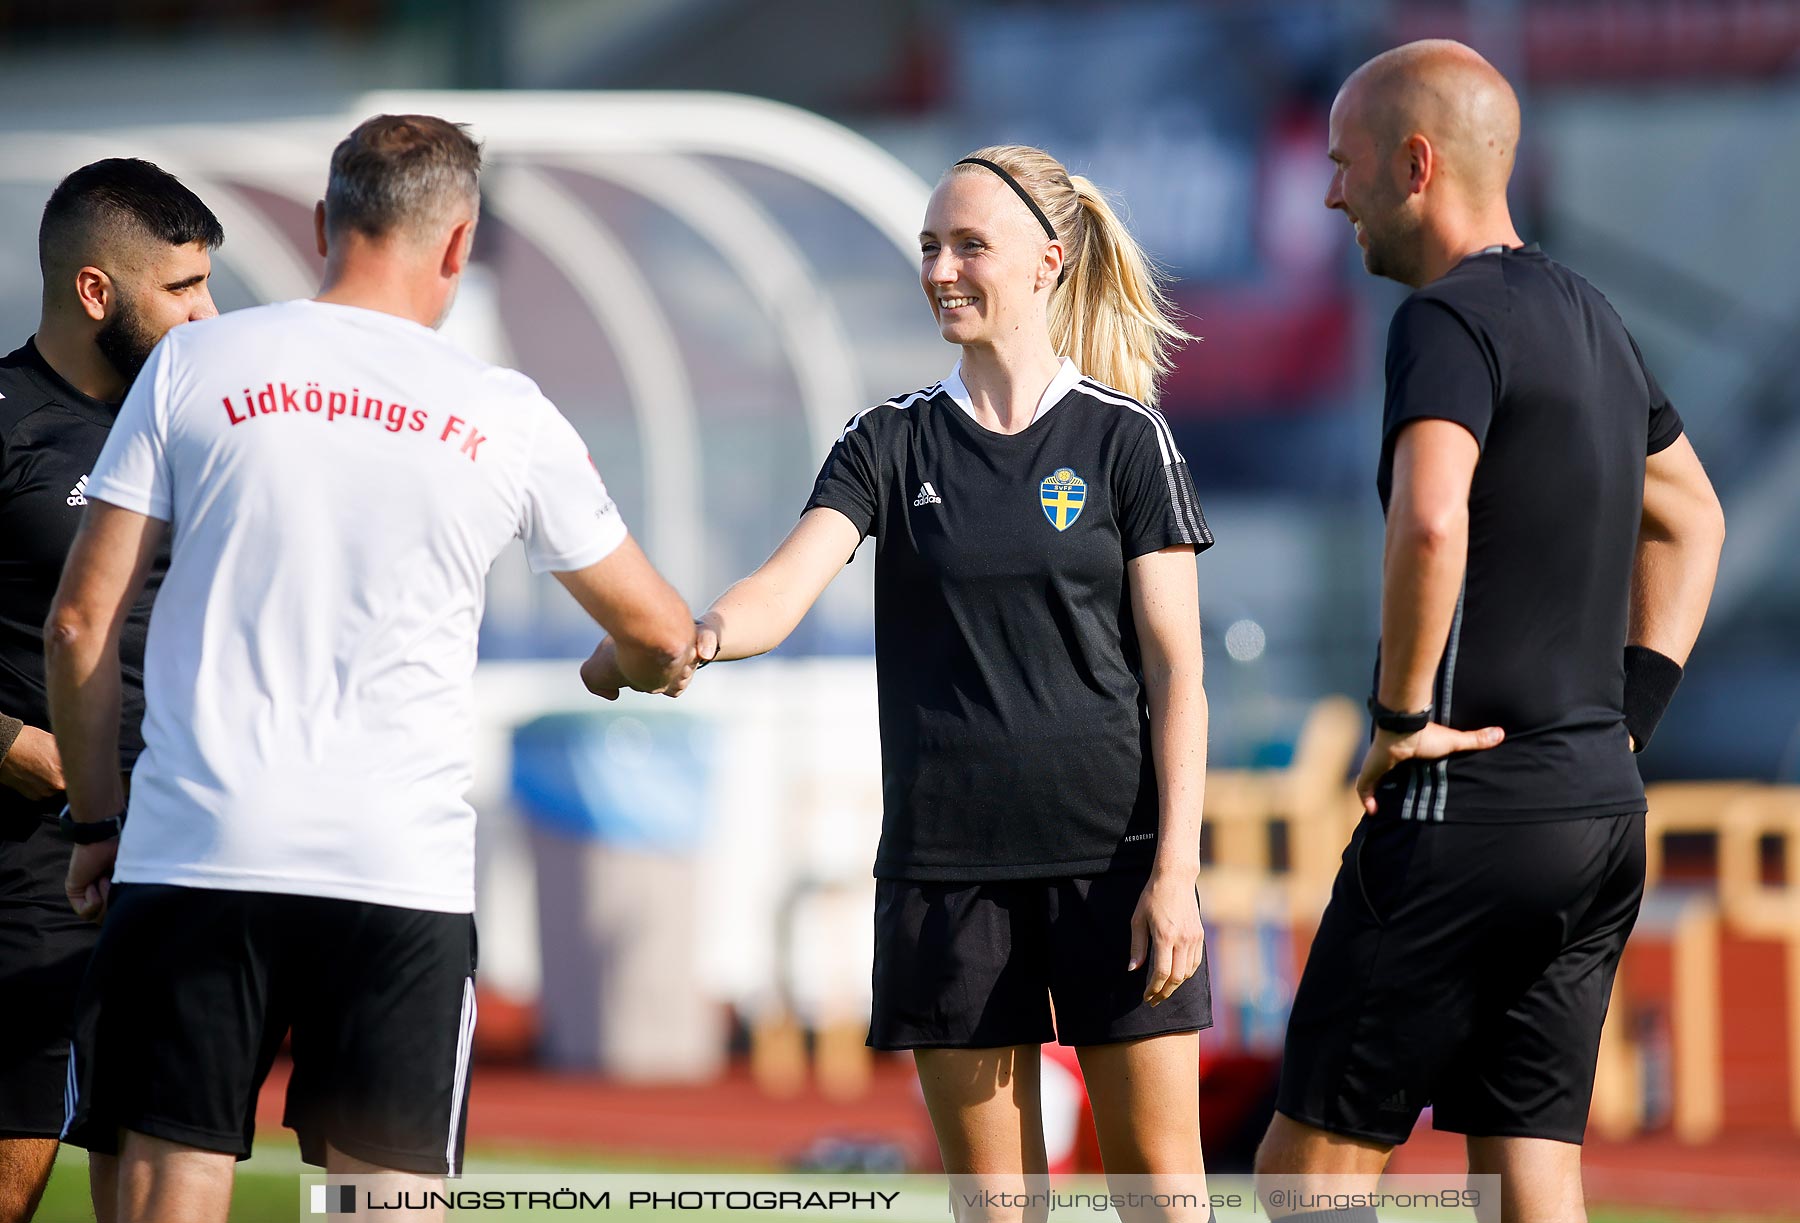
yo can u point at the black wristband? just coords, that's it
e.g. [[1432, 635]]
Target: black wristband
[[1395, 721], [88, 832], [1650, 680]]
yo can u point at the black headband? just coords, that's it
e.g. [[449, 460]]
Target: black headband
[[1010, 181]]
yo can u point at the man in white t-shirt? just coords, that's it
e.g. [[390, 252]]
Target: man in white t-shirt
[[299, 852]]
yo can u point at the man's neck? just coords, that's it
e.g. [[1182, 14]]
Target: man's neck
[[69, 350], [1452, 244], [383, 285]]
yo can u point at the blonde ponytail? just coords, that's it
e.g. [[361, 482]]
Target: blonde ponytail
[[1111, 314]]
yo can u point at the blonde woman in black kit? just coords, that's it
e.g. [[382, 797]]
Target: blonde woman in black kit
[[1037, 641]]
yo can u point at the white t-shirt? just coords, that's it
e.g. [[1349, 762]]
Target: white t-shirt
[[339, 481]]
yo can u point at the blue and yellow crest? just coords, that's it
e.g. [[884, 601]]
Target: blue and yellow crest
[[1062, 493]]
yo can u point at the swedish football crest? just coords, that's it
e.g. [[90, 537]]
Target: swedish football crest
[[1063, 494]]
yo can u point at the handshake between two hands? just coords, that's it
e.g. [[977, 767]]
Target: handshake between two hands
[[605, 678]]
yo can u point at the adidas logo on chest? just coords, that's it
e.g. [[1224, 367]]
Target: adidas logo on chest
[[927, 496], [78, 494]]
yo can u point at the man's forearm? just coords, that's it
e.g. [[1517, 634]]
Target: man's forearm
[[9, 734], [100, 581], [1422, 575], [1671, 586], [83, 671], [649, 667]]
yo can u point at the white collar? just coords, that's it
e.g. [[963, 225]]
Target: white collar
[[1067, 375]]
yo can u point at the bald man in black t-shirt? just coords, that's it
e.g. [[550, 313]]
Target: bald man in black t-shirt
[[126, 253], [1551, 546]]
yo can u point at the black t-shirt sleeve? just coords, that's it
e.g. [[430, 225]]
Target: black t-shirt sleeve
[[1437, 369], [849, 482], [1665, 422], [1153, 492]]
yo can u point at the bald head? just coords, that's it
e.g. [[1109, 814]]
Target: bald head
[[1455, 99], [1423, 138]]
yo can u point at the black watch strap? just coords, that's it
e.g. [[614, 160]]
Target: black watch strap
[[1397, 722], [88, 832]]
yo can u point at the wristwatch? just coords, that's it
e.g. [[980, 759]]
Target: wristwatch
[[1397, 722], [88, 832]]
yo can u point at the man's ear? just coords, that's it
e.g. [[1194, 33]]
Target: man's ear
[[319, 228], [1421, 163], [457, 248], [95, 291]]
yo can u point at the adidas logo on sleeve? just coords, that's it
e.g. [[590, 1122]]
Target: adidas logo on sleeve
[[927, 496]]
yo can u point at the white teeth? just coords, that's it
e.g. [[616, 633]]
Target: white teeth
[[955, 303]]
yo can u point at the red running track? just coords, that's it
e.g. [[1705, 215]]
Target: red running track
[[729, 1123]]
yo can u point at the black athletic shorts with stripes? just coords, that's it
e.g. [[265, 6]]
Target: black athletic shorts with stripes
[[44, 950], [192, 990], [979, 965], [1466, 967]]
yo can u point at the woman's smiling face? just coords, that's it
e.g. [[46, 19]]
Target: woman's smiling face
[[982, 256]]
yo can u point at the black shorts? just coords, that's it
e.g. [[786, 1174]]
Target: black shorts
[[1467, 967], [976, 966], [44, 950], [192, 989]]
